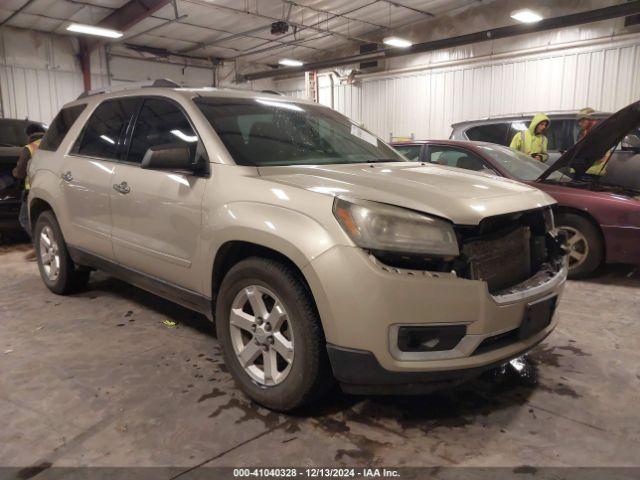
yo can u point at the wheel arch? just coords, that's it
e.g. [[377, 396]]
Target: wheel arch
[[234, 251], [36, 207]]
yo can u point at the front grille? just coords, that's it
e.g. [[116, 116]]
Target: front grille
[[500, 260], [504, 250]]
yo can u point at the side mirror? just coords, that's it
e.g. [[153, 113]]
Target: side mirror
[[631, 142], [170, 156]]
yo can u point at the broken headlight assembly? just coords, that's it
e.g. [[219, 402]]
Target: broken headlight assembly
[[385, 229]]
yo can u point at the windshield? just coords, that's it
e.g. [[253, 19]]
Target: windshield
[[263, 131], [12, 133], [519, 165]]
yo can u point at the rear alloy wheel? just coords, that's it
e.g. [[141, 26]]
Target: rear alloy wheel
[[57, 270], [586, 249], [270, 334]]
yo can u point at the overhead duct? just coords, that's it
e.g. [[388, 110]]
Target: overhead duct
[[615, 11]]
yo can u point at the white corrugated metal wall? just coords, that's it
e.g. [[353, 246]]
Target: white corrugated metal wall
[[604, 75], [39, 73]]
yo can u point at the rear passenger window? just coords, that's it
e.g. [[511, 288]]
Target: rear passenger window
[[105, 130], [60, 127], [161, 122], [493, 133]]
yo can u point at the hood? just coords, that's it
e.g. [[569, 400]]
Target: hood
[[537, 118], [463, 197], [600, 139]]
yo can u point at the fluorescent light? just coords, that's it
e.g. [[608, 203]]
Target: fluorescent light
[[526, 16], [108, 139], [288, 62], [91, 30], [397, 42]]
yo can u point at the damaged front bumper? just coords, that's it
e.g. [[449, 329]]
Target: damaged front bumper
[[366, 304]]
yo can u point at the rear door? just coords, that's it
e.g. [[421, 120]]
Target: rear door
[[157, 214], [85, 176]]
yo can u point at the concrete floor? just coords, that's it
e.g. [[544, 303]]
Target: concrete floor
[[98, 379]]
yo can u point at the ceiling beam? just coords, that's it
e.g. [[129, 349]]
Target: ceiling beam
[[131, 13], [125, 17], [413, 9]]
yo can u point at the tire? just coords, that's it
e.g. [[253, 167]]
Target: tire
[[54, 257], [269, 284], [585, 244]]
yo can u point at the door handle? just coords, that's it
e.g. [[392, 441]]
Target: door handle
[[122, 187], [67, 176]]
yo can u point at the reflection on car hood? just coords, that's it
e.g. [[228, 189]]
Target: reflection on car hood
[[603, 137], [463, 197]]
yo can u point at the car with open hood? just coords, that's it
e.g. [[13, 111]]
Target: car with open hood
[[13, 138], [321, 252], [600, 213]]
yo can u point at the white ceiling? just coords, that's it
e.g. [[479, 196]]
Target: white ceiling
[[322, 26]]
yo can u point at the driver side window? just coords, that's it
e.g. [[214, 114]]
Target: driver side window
[[161, 122]]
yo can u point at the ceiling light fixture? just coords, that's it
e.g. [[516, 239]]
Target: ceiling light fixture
[[397, 42], [526, 16], [288, 62], [91, 30]]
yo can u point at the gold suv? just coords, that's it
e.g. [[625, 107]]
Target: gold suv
[[321, 252]]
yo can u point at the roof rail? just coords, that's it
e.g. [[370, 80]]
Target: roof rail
[[159, 83]]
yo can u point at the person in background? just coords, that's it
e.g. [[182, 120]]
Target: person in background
[[34, 134], [533, 141], [586, 122]]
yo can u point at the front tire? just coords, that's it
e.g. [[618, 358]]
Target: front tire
[[271, 335], [57, 270], [586, 248]]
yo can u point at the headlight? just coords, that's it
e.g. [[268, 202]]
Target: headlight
[[377, 226]]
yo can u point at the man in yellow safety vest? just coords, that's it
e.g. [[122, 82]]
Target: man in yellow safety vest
[[34, 132], [533, 141]]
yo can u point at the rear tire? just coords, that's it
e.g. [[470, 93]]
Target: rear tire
[[271, 336], [57, 270], [586, 248]]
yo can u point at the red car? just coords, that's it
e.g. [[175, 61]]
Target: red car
[[601, 213]]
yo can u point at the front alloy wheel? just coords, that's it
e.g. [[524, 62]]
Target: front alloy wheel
[[261, 335], [271, 335]]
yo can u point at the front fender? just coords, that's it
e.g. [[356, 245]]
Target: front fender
[[291, 233]]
